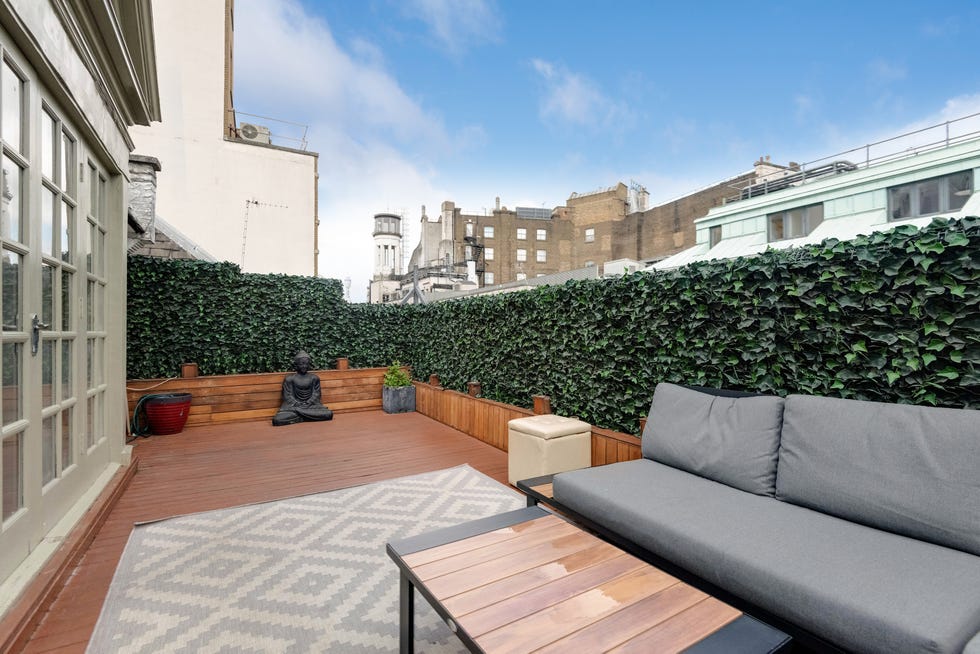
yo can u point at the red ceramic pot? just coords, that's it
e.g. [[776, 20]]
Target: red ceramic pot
[[167, 412]]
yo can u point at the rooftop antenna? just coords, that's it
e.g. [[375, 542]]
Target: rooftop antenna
[[249, 203]]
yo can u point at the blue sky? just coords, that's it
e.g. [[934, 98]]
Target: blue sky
[[413, 102]]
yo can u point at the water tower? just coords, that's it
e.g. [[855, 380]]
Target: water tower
[[387, 245]]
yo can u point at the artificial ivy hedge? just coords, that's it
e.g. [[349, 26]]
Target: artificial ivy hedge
[[225, 321], [892, 317]]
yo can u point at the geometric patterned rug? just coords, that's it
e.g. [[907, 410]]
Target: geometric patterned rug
[[306, 574]]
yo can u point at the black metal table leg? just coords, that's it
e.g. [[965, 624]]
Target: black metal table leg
[[406, 618]]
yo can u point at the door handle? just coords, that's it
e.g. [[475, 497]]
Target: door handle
[[36, 327]]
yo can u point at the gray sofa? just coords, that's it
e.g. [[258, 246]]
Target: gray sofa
[[857, 522]]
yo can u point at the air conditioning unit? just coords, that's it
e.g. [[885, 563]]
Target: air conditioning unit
[[255, 133]]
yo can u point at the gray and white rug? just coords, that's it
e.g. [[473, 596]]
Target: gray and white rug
[[307, 574]]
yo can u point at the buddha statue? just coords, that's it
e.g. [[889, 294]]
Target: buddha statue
[[301, 395]]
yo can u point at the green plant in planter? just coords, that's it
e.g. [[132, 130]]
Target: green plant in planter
[[398, 394], [396, 376]]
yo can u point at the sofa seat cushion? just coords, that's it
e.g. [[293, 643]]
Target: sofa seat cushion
[[912, 470], [863, 589], [730, 439]]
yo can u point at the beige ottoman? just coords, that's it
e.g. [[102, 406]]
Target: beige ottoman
[[546, 444]]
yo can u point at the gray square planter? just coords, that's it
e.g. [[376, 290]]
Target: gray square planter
[[399, 399]]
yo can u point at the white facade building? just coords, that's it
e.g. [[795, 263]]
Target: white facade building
[[226, 184], [909, 179]]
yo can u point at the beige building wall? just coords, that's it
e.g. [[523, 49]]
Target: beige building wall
[[220, 191]]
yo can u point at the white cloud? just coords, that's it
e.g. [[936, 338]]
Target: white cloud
[[373, 138], [576, 100], [456, 24], [882, 72]]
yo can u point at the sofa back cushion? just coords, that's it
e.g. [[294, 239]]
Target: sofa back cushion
[[907, 469], [728, 437]]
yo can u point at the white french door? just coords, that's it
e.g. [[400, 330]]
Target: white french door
[[52, 344]]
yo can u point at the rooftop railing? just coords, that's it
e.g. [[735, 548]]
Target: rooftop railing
[[909, 144]]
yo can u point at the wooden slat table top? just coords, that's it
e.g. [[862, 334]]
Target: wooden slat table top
[[544, 584]]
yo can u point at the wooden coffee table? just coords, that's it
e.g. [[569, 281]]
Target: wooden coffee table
[[528, 580]]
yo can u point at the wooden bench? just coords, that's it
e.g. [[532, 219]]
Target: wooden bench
[[237, 398]]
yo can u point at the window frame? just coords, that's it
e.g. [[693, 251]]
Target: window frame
[[541, 256], [488, 231], [590, 235], [522, 233], [541, 234], [809, 221], [521, 255], [913, 200]]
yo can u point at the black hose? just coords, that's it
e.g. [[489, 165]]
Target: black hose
[[140, 424]]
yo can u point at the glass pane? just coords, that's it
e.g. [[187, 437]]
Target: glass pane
[[900, 202], [13, 103], [64, 219], [90, 247], [90, 433], [66, 293], [47, 295], [101, 213], [93, 190], [84, 246], [960, 190], [67, 451], [814, 216], [776, 227], [10, 209], [99, 361], [10, 299], [67, 179], [90, 307], [89, 361], [12, 474], [12, 408], [48, 154], [48, 201], [928, 197], [100, 254], [47, 373], [66, 389], [49, 462]]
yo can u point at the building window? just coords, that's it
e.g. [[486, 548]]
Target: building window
[[714, 235], [935, 195], [468, 253], [590, 235], [541, 256], [488, 278], [795, 222], [522, 255], [488, 254], [542, 235], [488, 231], [469, 229], [521, 234], [590, 264], [521, 277]]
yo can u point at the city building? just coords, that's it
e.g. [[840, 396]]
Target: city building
[[612, 229], [908, 179], [242, 188], [75, 76]]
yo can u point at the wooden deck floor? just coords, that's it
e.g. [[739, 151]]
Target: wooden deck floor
[[214, 467]]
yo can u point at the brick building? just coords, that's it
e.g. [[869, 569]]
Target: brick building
[[614, 224]]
